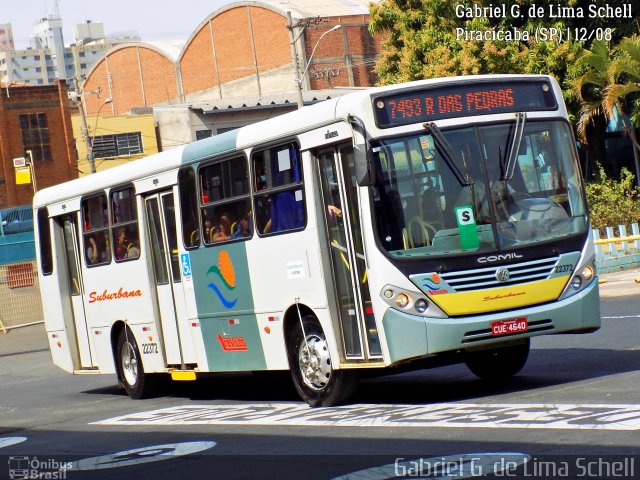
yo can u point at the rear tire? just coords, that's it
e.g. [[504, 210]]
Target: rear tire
[[498, 363], [129, 366], [314, 377]]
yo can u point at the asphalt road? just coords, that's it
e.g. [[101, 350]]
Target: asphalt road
[[574, 406]]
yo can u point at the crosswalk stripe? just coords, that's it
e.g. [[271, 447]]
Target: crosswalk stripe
[[506, 415]]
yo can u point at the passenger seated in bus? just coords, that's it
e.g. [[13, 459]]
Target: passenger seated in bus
[[263, 214], [122, 244], [208, 231], [223, 229], [243, 228], [133, 250], [92, 252], [96, 254]]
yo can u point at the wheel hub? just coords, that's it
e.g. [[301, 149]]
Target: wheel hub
[[314, 362], [129, 364]]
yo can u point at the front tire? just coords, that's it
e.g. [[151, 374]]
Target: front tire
[[498, 363], [129, 366], [314, 377]]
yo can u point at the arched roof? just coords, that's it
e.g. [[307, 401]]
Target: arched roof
[[131, 74], [298, 8]]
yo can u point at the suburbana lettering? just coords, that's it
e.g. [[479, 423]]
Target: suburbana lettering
[[106, 295]]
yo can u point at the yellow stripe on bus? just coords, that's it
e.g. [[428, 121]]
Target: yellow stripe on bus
[[502, 298]]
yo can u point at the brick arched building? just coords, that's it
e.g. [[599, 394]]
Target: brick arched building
[[242, 49]]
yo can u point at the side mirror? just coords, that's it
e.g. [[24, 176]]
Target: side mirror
[[360, 151]]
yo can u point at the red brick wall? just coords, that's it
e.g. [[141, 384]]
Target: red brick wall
[[233, 31], [196, 65], [53, 102], [125, 66], [350, 48]]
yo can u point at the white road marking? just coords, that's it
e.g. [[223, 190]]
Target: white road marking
[[153, 453], [544, 416], [622, 316], [8, 441]]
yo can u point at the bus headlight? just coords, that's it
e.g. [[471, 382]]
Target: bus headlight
[[582, 277], [421, 305], [588, 272], [576, 282], [402, 300]]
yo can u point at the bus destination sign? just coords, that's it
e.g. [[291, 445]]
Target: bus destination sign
[[453, 101]]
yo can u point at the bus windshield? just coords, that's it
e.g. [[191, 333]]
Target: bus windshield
[[476, 188]]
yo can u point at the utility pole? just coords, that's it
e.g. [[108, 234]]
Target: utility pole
[[294, 56], [85, 129]]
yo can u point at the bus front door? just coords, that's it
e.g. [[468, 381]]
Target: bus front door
[[349, 270], [163, 254], [68, 227]]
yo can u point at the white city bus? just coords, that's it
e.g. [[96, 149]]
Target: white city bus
[[442, 219]]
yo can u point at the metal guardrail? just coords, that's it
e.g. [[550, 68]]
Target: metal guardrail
[[20, 303], [617, 250]]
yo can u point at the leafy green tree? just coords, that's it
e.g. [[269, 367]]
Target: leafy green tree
[[613, 202], [589, 79], [623, 92]]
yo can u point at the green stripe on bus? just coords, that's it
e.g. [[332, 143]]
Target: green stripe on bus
[[208, 147], [225, 308]]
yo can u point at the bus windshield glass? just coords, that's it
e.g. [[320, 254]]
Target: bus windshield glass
[[477, 189]]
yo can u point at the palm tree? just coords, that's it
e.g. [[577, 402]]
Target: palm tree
[[624, 78], [589, 84]]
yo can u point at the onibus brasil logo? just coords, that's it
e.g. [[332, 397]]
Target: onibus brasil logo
[[226, 276]]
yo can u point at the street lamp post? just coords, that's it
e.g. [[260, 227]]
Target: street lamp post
[[294, 54]]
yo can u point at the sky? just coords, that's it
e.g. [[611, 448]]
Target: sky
[[153, 20]]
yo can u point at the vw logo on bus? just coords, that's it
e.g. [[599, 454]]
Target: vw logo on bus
[[502, 274]]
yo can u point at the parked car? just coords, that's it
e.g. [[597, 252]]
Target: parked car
[[16, 220]]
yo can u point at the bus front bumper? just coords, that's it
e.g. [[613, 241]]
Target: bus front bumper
[[412, 336]]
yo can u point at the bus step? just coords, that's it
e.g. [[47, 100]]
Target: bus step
[[183, 375]]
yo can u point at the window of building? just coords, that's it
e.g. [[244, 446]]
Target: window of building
[[225, 201], [81, 54], [36, 57], [124, 221], [117, 145], [38, 69], [200, 134], [95, 231], [35, 135], [279, 194], [83, 65], [225, 129]]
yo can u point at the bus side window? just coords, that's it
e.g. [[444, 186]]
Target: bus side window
[[44, 237], [279, 197], [189, 208], [95, 230], [124, 231], [224, 199]]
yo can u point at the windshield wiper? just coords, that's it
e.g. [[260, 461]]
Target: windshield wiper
[[516, 141], [446, 150]]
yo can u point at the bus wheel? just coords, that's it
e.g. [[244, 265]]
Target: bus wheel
[[312, 370], [129, 366], [498, 363]]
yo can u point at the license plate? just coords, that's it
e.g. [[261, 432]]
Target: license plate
[[507, 327]]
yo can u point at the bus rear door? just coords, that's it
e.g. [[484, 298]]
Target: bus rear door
[[163, 253]]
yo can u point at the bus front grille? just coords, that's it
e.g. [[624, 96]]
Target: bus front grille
[[482, 278]]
